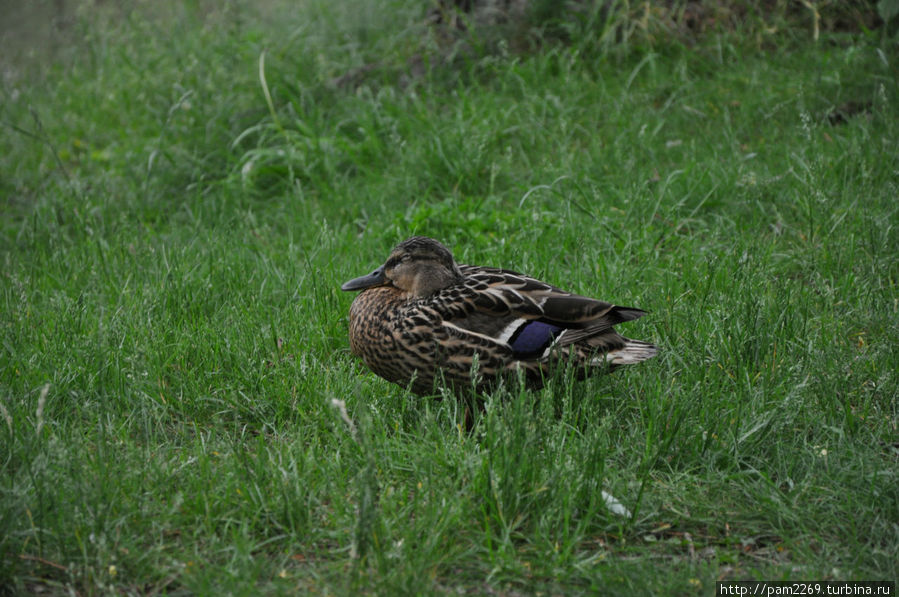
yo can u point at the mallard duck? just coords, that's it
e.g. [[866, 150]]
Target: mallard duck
[[422, 316]]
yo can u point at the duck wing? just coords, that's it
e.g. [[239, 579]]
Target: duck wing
[[515, 322], [529, 316]]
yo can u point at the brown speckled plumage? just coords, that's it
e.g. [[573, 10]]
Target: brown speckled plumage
[[422, 316]]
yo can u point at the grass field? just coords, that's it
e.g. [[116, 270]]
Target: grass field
[[184, 192]]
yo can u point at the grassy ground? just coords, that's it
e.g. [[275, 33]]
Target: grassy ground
[[183, 194]]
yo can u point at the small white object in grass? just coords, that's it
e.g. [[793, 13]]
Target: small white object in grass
[[246, 169], [614, 506], [6, 416], [39, 415], [340, 405]]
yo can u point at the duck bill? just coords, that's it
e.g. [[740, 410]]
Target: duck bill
[[376, 278]]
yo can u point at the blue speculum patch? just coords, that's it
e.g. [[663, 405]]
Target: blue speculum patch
[[533, 337]]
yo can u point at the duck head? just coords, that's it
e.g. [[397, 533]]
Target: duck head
[[419, 267]]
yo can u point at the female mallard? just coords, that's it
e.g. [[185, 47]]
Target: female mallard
[[421, 313]]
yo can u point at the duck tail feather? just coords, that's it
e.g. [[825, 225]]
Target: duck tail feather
[[623, 314], [633, 351]]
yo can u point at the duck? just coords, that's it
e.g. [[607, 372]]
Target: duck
[[423, 321]]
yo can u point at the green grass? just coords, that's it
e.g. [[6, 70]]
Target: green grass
[[175, 228]]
